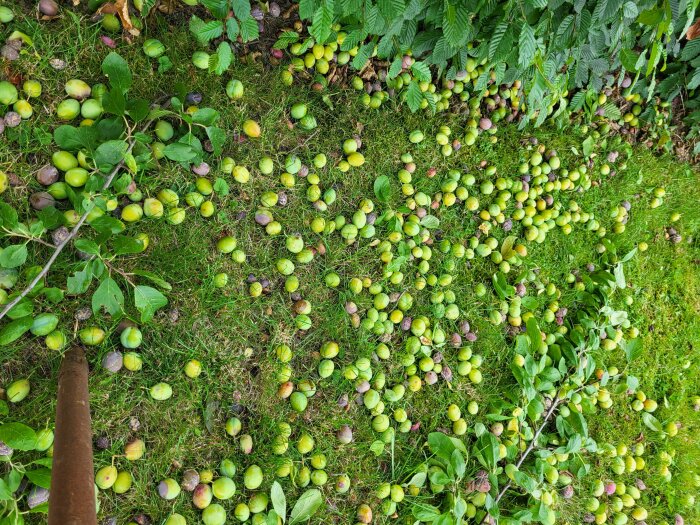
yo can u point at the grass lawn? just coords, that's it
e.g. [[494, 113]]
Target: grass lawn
[[234, 335]]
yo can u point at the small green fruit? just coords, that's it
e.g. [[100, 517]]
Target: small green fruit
[[153, 48], [253, 477], [234, 89], [161, 391], [18, 390], [106, 477]]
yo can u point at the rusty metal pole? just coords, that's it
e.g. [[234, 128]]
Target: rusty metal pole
[[72, 496]]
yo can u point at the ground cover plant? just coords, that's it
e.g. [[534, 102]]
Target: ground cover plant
[[305, 305]]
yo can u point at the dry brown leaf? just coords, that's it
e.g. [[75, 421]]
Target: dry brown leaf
[[121, 9], [694, 30]]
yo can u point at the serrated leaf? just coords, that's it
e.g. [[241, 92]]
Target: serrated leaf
[[414, 96], [249, 29], [527, 45], [322, 21], [496, 38], [421, 71], [205, 32], [455, 24], [362, 56], [218, 8]]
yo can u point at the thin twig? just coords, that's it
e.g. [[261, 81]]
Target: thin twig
[[525, 454], [125, 275], [71, 235]]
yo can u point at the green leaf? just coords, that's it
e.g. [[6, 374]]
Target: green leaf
[[395, 68], [587, 146], [382, 188], [249, 29], [88, 246], [286, 38], [425, 513], [180, 152], [496, 37], [221, 187], [164, 64], [54, 295], [321, 29], [153, 277], [633, 349], [72, 139], [205, 32], [108, 296], [430, 221], [23, 308], [306, 9], [414, 96], [527, 46], [391, 9], [41, 477], [5, 492], [363, 55], [377, 447], [306, 506], [4, 408], [148, 300], [205, 116], [279, 502], [649, 420], [8, 216], [217, 136], [13, 256], [117, 70], [18, 436], [80, 281], [114, 102], [455, 24], [421, 71], [222, 59], [218, 8], [486, 450], [14, 330]]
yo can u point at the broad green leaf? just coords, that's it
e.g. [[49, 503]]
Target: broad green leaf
[[382, 188], [633, 349], [279, 501], [486, 450], [41, 477], [205, 116], [14, 330], [306, 506], [5, 492], [13, 256], [108, 296], [148, 300], [180, 152], [651, 422], [18, 436], [87, 246], [377, 447], [218, 8], [249, 28], [527, 45], [8, 216], [117, 70], [72, 139], [221, 60], [217, 136]]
